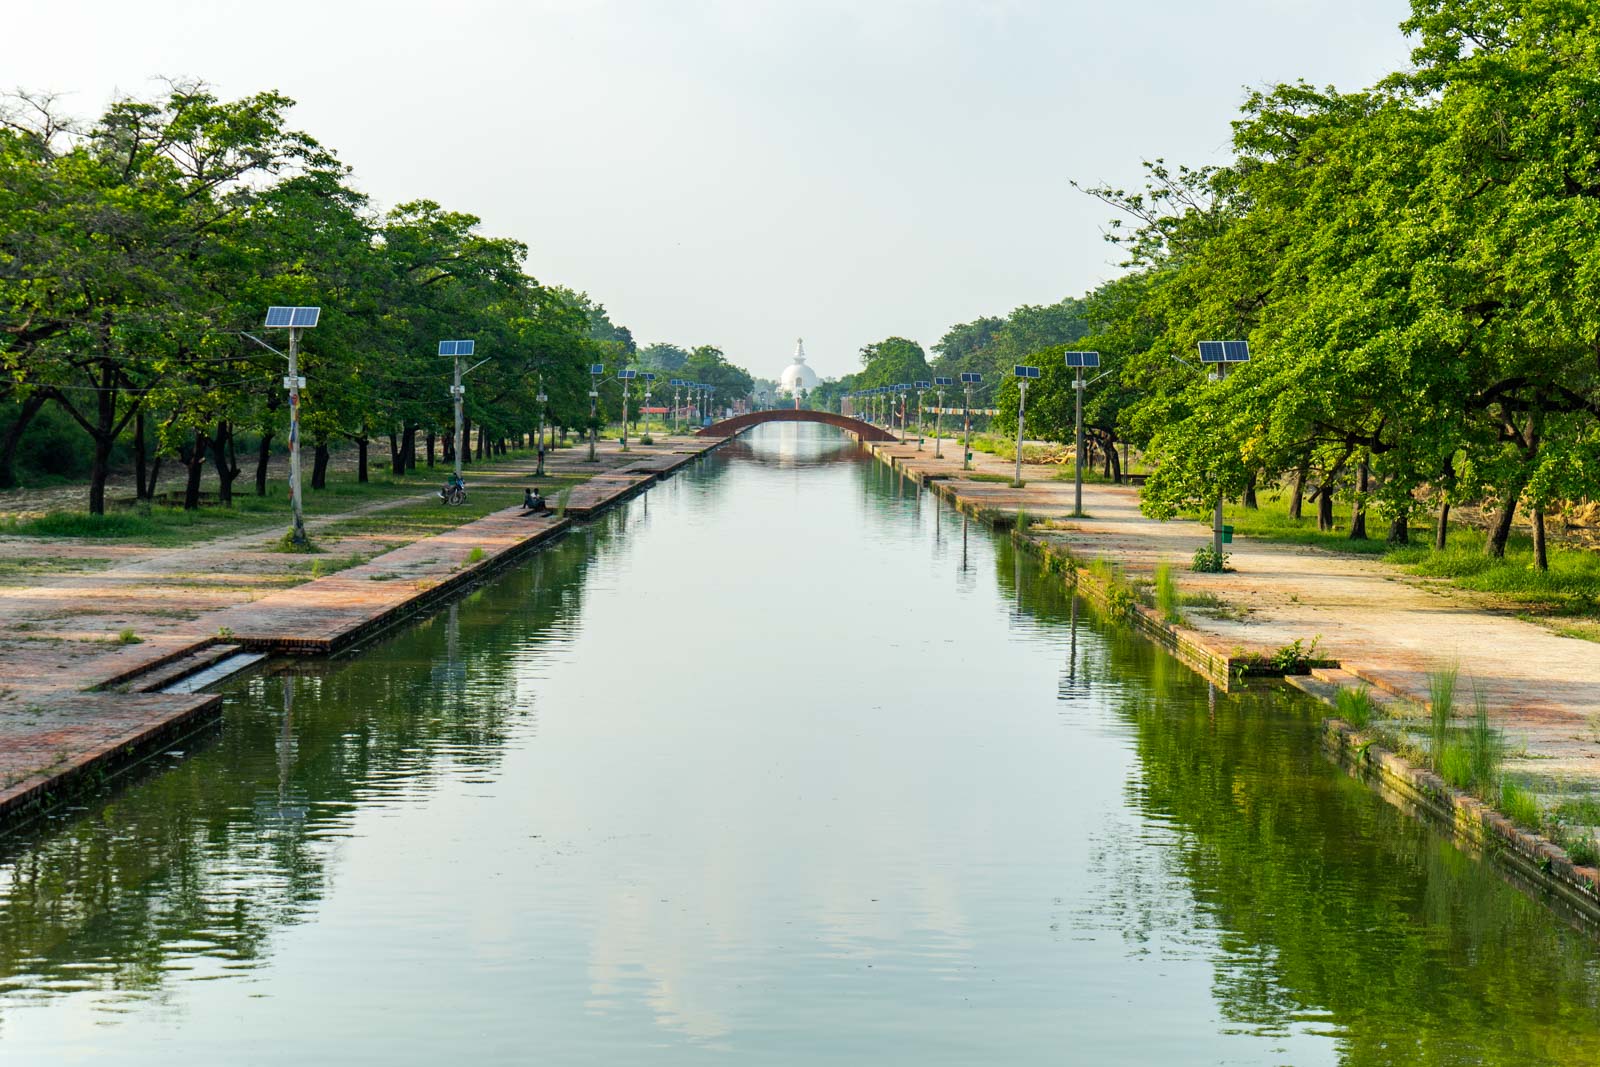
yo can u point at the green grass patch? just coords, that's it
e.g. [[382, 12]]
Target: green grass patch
[[1271, 522], [1355, 706], [1570, 587]]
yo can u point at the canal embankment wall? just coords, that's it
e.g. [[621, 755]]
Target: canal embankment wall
[[1536, 862], [110, 719]]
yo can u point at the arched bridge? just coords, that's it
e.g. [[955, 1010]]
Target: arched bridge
[[865, 430]]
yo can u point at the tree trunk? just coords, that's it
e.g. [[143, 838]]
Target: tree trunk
[[361, 458], [195, 463], [1250, 492], [1400, 529], [141, 482], [483, 441], [1495, 545], [1541, 558], [155, 475], [449, 447], [8, 448], [105, 436], [1325, 507], [226, 461], [408, 448], [397, 462], [1441, 532], [430, 443], [1358, 512], [319, 466], [1297, 502], [263, 457]]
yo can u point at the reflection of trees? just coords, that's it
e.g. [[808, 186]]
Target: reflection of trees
[[208, 856], [1327, 902]]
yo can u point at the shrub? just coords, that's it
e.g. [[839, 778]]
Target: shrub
[[1207, 560], [475, 555], [1167, 599], [127, 637]]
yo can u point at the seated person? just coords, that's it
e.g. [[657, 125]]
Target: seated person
[[533, 500]]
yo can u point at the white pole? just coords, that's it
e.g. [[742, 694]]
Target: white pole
[[938, 417], [1077, 481], [456, 391], [1022, 402], [966, 443], [298, 531]]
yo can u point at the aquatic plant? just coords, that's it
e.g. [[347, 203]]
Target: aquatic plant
[[1485, 743]]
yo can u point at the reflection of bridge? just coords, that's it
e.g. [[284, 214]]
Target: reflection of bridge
[[865, 430]]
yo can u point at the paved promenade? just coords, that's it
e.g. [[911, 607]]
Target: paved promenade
[[1383, 625]]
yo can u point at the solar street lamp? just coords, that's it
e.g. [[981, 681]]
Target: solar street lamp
[[921, 387], [968, 380], [595, 370], [904, 390], [648, 377], [457, 349], [626, 378], [1220, 354], [938, 416], [294, 319], [544, 402], [677, 388], [1024, 376], [1077, 361]]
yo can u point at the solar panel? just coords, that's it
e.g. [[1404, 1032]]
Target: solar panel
[[941, 381], [1236, 351], [597, 368], [971, 377], [1083, 359], [305, 317], [626, 375], [649, 377], [1211, 352], [676, 382], [924, 385], [1025, 372], [279, 316]]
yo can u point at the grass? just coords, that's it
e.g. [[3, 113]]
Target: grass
[[1570, 587], [1441, 704], [1167, 598], [475, 556], [1518, 805], [998, 479], [1355, 706], [126, 636]]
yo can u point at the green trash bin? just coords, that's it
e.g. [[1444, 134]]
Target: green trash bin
[[1227, 535]]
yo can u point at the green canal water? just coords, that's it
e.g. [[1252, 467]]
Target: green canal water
[[782, 762]]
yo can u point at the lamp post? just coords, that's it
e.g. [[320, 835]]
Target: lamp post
[[626, 378], [938, 417], [1078, 361], [595, 370], [921, 386], [968, 380], [1220, 354], [543, 402], [1024, 375], [294, 319], [649, 377], [458, 392]]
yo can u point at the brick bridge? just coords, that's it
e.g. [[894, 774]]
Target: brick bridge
[[865, 430]]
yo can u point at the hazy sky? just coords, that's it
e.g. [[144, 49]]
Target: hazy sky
[[740, 172]]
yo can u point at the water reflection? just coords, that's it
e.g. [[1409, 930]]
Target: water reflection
[[785, 762]]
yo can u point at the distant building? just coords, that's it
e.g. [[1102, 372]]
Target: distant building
[[798, 376]]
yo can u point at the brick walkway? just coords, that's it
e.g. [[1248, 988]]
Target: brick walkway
[[54, 729]]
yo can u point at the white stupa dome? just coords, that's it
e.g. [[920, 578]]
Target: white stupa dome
[[797, 375]]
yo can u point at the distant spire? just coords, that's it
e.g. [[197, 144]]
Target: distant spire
[[799, 349]]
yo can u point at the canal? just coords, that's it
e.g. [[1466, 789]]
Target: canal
[[781, 762]]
